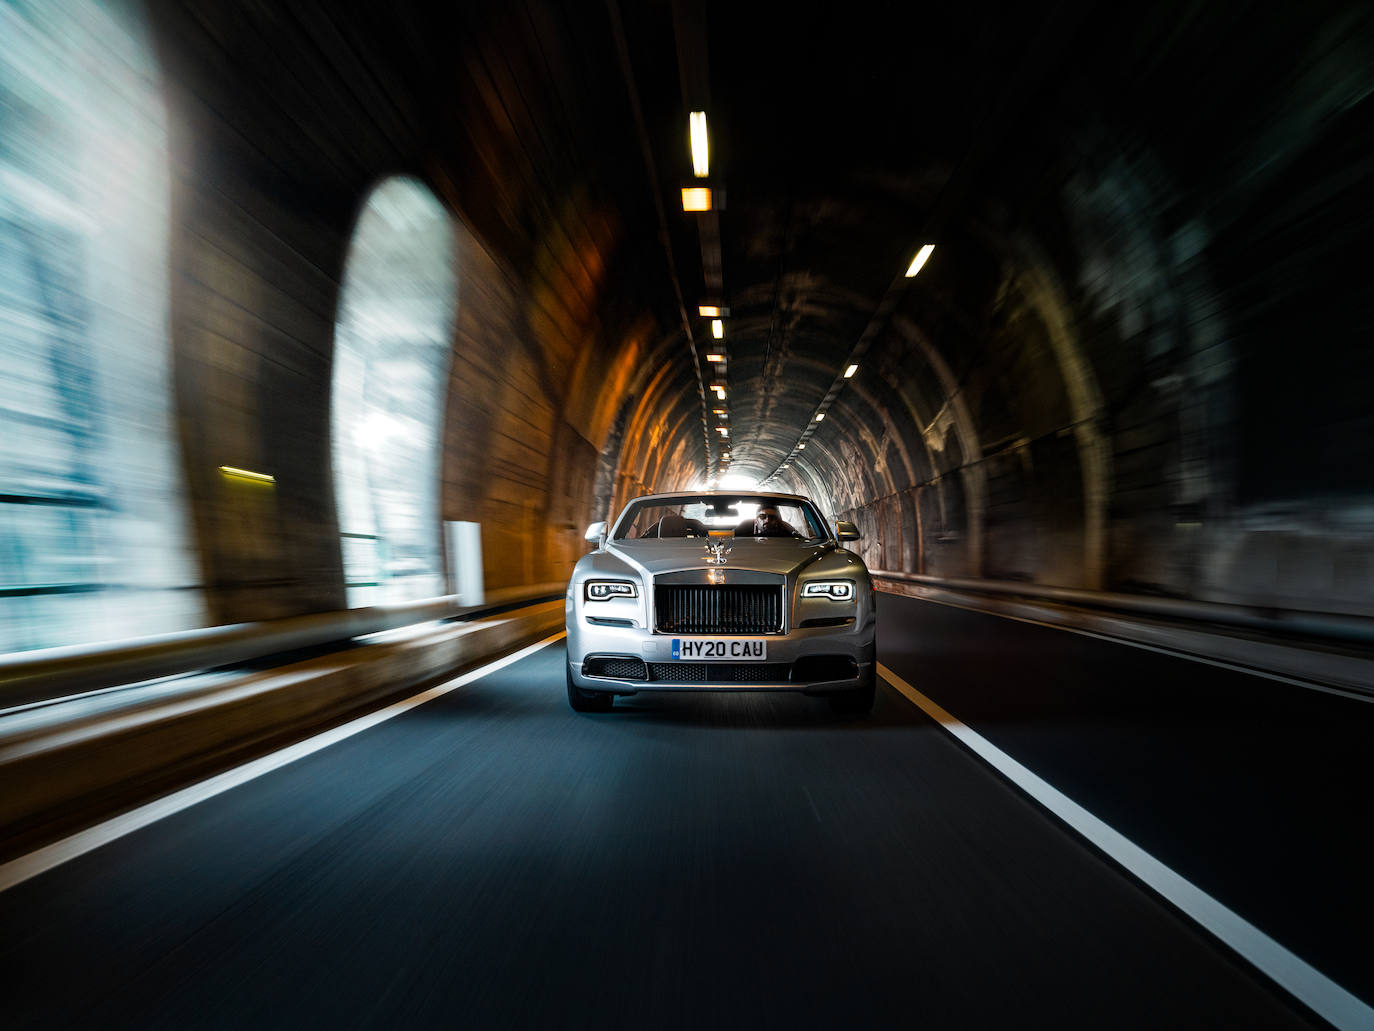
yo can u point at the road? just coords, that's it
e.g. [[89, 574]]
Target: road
[[492, 859]]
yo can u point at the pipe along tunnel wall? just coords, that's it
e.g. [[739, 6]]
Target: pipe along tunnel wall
[[1136, 362]]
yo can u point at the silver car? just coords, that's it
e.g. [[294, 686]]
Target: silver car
[[720, 590]]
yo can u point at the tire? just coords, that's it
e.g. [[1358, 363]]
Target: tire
[[588, 701], [857, 701]]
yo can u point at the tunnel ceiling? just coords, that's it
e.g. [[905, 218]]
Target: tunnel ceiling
[[840, 145], [1071, 165]]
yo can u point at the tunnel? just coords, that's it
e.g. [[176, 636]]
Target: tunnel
[[328, 330]]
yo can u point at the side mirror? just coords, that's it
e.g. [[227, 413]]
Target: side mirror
[[595, 533], [847, 531]]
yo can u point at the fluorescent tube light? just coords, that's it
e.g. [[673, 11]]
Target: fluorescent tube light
[[921, 257], [701, 158]]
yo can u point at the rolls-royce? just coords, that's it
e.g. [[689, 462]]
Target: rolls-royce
[[720, 591]]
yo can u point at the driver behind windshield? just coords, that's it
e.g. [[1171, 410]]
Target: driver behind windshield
[[769, 523]]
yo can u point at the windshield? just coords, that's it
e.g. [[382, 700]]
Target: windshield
[[722, 516]]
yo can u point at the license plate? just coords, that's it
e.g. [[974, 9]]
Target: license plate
[[725, 649]]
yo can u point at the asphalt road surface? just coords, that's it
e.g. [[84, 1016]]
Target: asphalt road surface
[[493, 859]]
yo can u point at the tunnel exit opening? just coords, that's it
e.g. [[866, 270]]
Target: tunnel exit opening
[[391, 360]]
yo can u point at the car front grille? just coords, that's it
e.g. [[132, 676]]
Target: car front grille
[[723, 609], [619, 667], [720, 672]]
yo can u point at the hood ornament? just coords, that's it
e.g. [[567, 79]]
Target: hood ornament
[[718, 550]]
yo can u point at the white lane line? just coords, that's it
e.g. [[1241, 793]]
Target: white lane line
[[1309, 985], [17, 871]]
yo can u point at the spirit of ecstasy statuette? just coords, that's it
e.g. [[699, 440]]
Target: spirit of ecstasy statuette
[[718, 550]]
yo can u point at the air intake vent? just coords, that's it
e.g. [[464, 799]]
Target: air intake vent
[[618, 667], [724, 609], [720, 672]]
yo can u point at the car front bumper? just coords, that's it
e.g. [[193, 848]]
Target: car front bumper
[[811, 660]]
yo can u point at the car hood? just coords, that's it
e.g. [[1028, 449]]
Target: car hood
[[779, 556]]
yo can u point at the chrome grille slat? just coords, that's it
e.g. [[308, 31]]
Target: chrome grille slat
[[718, 609]]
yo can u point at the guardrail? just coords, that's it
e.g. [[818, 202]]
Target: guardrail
[[1330, 626], [41, 675]]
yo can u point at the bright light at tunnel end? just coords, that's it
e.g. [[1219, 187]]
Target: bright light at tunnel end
[[738, 481]]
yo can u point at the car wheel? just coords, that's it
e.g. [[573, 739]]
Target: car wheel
[[588, 701], [857, 701]]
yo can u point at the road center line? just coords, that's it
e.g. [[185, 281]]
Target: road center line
[[1313, 988], [19, 870]]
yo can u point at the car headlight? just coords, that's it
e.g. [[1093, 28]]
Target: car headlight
[[835, 590], [605, 590]]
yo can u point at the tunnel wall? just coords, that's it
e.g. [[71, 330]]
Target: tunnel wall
[[1141, 365], [282, 122]]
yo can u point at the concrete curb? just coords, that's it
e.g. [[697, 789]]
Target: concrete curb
[[78, 759]]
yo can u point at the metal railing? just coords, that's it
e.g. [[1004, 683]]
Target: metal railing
[[1326, 625], [48, 673]]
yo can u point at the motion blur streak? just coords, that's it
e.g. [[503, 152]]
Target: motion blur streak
[[93, 517], [1314, 988], [19, 870]]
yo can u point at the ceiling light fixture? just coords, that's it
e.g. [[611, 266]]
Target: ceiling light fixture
[[696, 198], [715, 357], [718, 329], [921, 257], [701, 158], [820, 417], [850, 371], [720, 391]]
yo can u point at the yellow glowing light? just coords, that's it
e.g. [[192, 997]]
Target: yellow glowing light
[[718, 329], [720, 392], [921, 257], [715, 357], [820, 417], [709, 310], [696, 198], [721, 412], [850, 371], [700, 152], [246, 474], [726, 456], [722, 431], [801, 447]]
